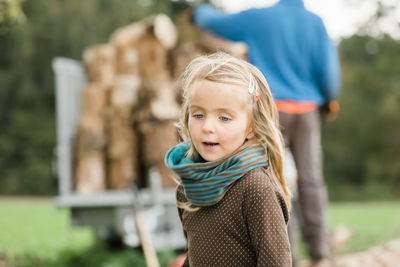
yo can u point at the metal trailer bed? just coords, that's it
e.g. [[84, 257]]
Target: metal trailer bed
[[110, 213]]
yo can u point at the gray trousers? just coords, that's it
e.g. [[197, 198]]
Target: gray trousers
[[302, 134]]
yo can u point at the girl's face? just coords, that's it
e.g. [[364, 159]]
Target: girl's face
[[218, 119]]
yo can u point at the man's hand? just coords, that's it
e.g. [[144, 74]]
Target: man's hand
[[329, 111]]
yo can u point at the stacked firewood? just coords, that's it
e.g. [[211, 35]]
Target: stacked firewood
[[131, 101]]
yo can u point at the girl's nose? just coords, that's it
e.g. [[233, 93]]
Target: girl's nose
[[209, 125]]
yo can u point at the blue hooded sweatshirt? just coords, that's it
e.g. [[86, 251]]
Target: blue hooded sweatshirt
[[287, 43]]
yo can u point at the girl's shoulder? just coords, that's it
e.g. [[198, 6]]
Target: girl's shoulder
[[260, 186], [259, 179]]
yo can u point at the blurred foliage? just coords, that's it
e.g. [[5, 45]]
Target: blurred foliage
[[361, 147], [383, 19], [94, 256], [10, 13], [27, 119]]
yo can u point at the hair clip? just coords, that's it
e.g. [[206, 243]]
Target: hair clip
[[253, 88]]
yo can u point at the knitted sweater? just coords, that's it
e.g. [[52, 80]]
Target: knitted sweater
[[246, 228]]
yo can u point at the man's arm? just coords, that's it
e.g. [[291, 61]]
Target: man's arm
[[325, 62], [229, 26]]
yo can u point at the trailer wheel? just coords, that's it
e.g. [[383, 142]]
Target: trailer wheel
[[111, 239]]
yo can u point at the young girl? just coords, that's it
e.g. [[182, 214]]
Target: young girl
[[232, 198]]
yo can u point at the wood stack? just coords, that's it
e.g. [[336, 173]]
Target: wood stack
[[92, 127], [131, 101], [194, 42]]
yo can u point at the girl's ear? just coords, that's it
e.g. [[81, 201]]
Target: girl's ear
[[250, 133]]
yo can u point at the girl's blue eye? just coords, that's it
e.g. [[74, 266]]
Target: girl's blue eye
[[223, 118], [198, 116]]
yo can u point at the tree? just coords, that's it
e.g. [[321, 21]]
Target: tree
[[27, 116], [10, 13], [362, 147]]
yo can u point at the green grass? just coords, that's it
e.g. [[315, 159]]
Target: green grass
[[372, 223], [36, 228], [35, 233]]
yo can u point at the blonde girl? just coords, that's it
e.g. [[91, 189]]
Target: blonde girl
[[232, 197]]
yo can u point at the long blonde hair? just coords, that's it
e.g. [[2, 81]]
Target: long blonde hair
[[223, 68]]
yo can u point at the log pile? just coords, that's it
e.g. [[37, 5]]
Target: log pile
[[131, 101]]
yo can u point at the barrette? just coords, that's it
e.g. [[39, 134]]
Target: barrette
[[253, 88]]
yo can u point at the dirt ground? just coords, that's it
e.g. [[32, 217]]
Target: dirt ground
[[386, 255]]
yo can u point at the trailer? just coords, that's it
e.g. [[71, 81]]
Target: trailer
[[111, 214]]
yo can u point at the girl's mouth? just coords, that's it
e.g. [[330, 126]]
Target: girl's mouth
[[210, 144]]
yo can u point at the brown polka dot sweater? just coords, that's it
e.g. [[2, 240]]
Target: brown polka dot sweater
[[246, 228]]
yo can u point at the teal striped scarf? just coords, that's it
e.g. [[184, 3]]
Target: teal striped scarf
[[206, 183]]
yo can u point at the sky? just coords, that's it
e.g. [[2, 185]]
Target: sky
[[342, 18]]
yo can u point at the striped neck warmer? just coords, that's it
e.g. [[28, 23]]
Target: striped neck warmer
[[206, 183]]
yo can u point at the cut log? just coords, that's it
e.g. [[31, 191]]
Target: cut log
[[164, 106], [157, 138], [181, 56], [153, 59], [129, 34], [205, 41], [125, 40], [124, 96], [91, 141], [153, 37], [127, 60], [159, 25], [90, 173], [158, 101], [169, 179], [212, 43], [100, 63], [165, 31], [122, 148], [95, 101], [122, 154]]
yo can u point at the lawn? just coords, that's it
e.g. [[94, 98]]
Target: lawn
[[35, 233], [35, 226], [372, 223]]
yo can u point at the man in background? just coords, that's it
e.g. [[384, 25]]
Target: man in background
[[291, 47]]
